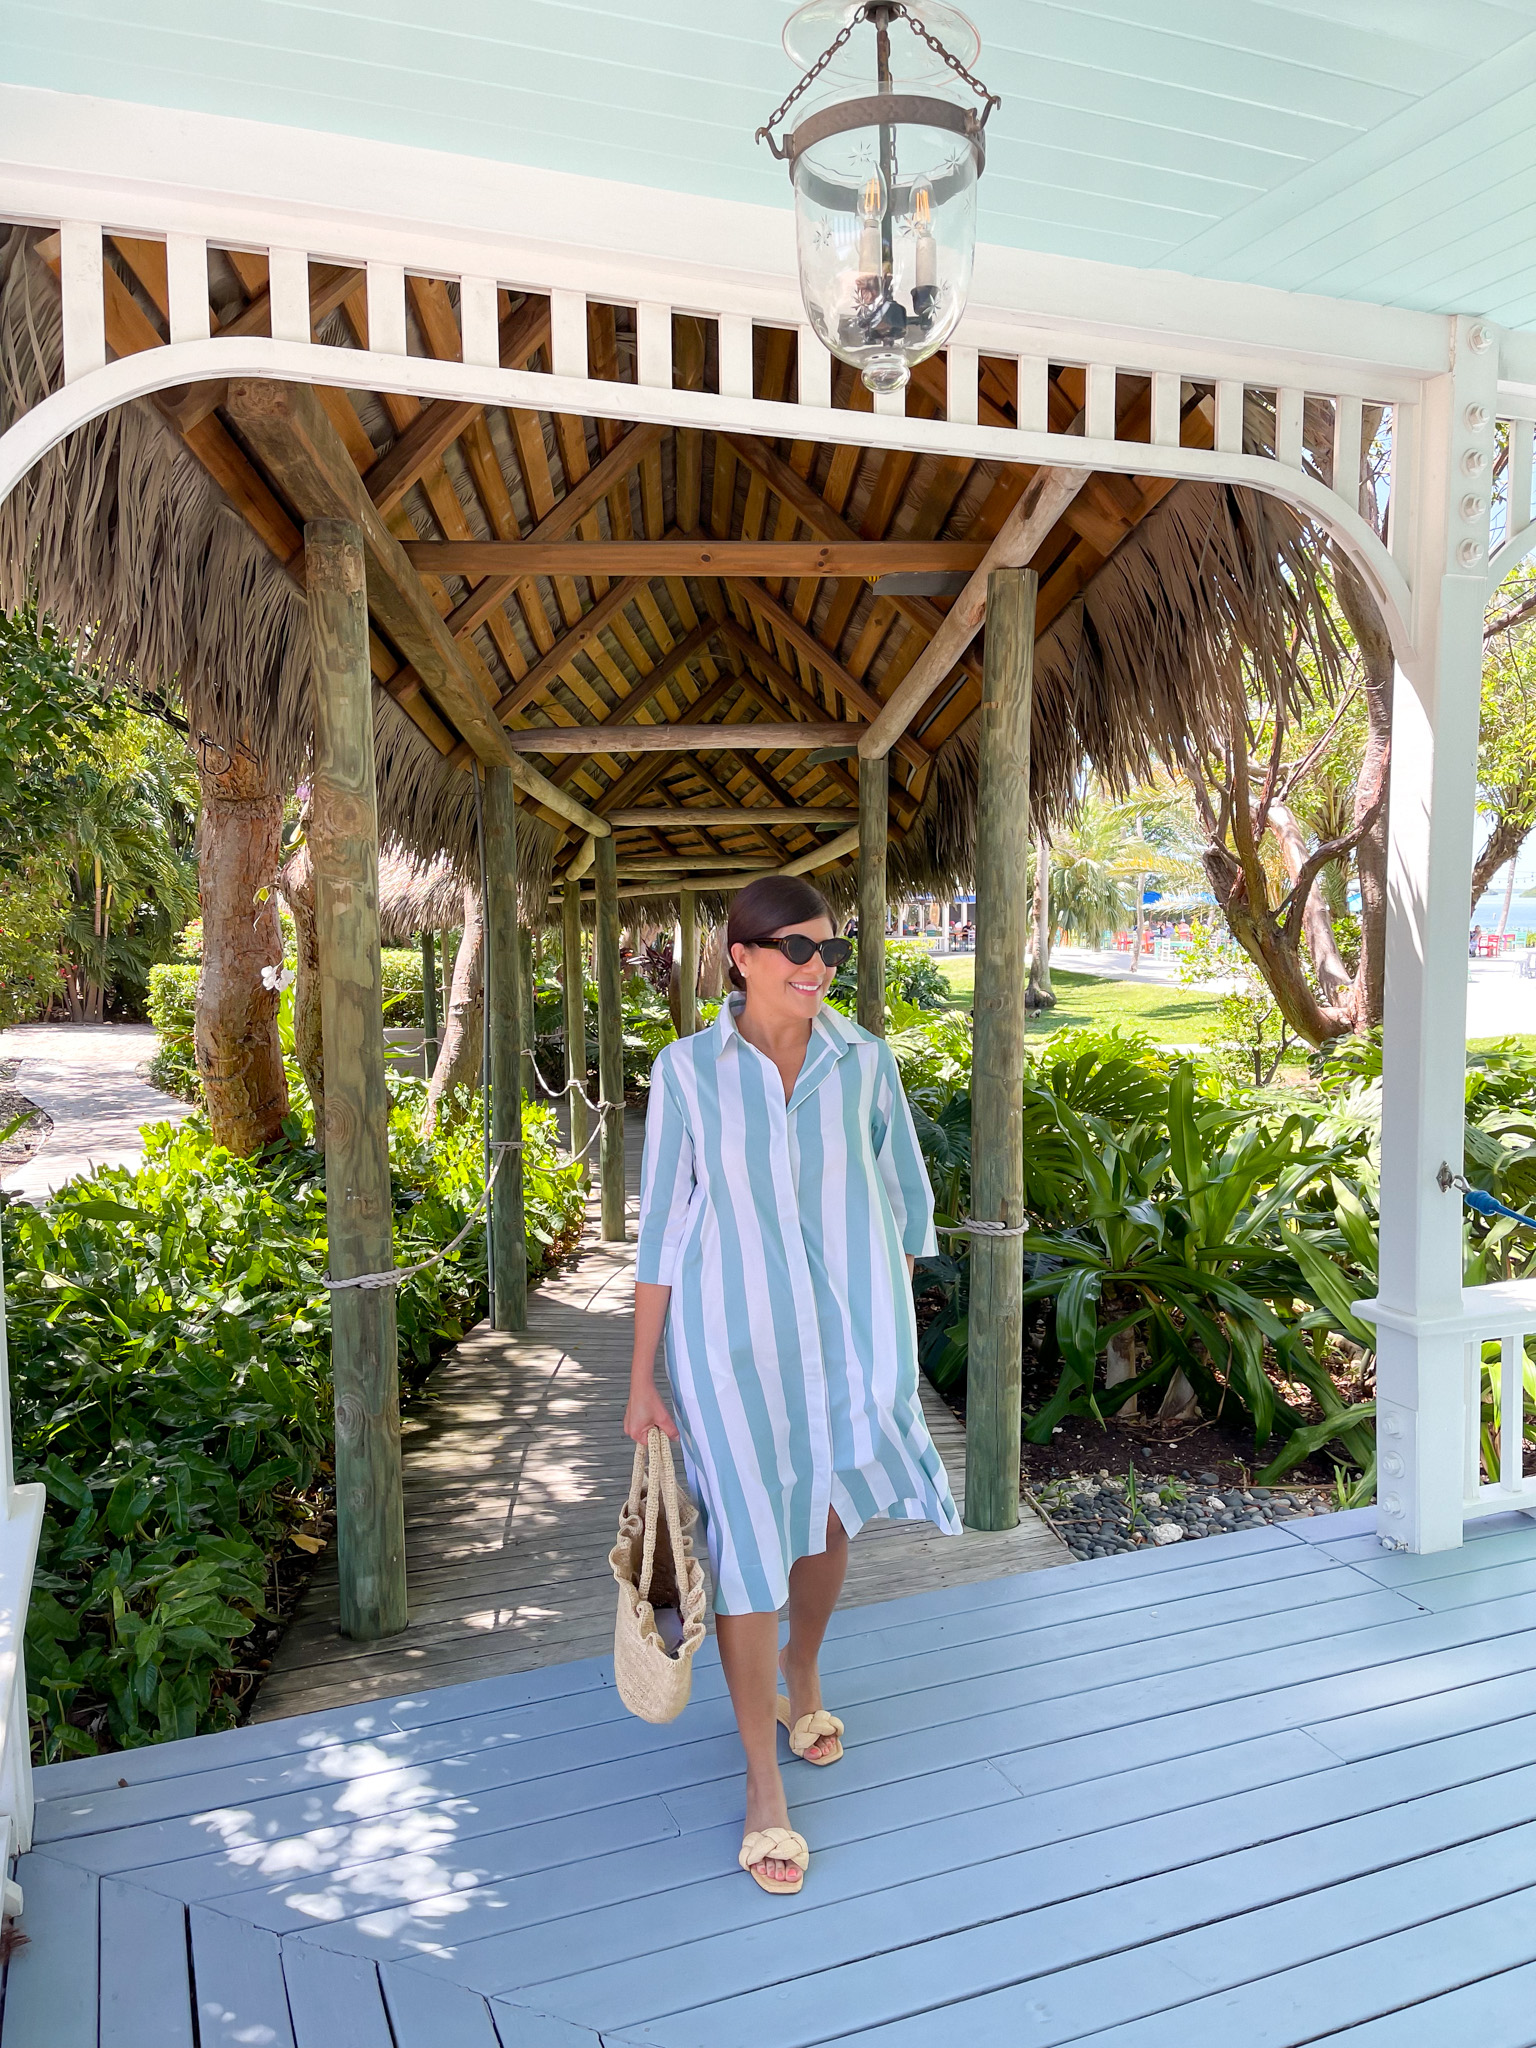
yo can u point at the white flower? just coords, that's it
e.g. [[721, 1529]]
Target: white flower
[[277, 978]]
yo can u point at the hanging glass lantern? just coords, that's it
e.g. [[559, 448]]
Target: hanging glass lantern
[[884, 159]]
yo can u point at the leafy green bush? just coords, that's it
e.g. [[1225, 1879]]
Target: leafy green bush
[[911, 976], [400, 978], [169, 1339], [171, 1005]]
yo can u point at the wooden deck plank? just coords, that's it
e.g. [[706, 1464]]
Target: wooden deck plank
[[1421, 1952], [440, 1872], [426, 2012], [146, 1980], [334, 1999], [1115, 1798], [295, 1735], [986, 1972], [238, 1976], [1369, 1983], [51, 1984], [877, 1953], [562, 1736], [1494, 2012], [696, 1875]]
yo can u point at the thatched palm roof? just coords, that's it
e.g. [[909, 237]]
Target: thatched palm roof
[[173, 550]]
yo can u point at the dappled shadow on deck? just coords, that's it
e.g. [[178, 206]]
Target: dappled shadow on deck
[[1275, 1788], [515, 1468]]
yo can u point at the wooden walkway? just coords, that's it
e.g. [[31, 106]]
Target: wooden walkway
[[514, 1474], [1271, 1789]]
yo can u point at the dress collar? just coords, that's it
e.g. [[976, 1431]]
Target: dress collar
[[829, 1031]]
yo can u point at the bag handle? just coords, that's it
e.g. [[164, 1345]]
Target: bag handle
[[656, 1461]]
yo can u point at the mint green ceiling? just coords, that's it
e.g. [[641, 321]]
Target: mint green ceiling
[[1374, 149]]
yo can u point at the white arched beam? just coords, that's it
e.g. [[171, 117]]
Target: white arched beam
[[98, 390]]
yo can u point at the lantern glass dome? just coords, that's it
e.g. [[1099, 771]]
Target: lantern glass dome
[[884, 156]]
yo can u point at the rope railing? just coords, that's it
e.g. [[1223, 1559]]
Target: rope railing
[[396, 1274], [973, 1227], [573, 1087]]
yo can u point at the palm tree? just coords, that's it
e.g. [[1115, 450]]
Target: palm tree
[[1097, 863]]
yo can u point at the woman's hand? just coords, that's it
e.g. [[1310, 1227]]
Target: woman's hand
[[647, 1411]]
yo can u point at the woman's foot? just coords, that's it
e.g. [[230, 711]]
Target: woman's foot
[[802, 1682], [767, 1808]]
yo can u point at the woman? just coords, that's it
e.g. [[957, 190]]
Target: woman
[[783, 1199]]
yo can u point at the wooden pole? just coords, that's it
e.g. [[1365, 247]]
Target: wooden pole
[[509, 1245], [575, 968], [344, 849], [610, 1037], [874, 826], [687, 963], [997, 1072], [429, 1001]]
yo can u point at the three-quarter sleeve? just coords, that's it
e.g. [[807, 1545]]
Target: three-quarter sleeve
[[900, 1159], [667, 1180]]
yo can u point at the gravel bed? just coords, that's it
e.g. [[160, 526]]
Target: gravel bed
[[21, 1144], [1094, 1516]]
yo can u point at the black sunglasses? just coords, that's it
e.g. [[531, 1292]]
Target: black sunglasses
[[798, 949]]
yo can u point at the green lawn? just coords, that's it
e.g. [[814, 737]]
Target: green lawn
[[1173, 1016]]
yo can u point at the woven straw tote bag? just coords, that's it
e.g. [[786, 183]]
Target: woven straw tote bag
[[654, 1564]]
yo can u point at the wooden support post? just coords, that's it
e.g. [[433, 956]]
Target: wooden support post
[[874, 827], [344, 850], [509, 1245], [610, 1038], [997, 1073], [429, 1001], [575, 968], [687, 963]]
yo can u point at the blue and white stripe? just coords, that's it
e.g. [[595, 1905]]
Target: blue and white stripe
[[791, 1344]]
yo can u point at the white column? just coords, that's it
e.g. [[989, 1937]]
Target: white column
[[944, 926], [1421, 1397]]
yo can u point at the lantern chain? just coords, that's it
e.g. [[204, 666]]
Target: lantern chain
[[765, 133], [924, 35], [894, 10]]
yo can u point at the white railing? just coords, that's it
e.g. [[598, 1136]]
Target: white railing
[[20, 1528], [1500, 1319], [1194, 410]]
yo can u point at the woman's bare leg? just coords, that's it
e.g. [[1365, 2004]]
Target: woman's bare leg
[[748, 1648], [814, 1584]]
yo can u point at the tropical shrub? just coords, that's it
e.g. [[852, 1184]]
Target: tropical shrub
[[169, 1351], [911, 976]]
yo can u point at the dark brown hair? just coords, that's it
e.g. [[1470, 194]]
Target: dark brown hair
[[765, 907]]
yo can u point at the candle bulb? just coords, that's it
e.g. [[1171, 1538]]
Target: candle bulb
[[926, 253], [870, 209]]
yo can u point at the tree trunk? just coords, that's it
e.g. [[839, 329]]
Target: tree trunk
[[1038, 993], [1139, 938], [1502, 846], [459, 1061], [712, 965], [1316, 923], [297, 884], [1509, 898], [1377, 667], [1279, 962], [238, 1052]]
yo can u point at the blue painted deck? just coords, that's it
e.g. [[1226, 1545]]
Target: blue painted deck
[[1271, 1789]]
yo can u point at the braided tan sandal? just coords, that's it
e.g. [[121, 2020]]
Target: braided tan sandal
[[780, 1844], [810, 1729]]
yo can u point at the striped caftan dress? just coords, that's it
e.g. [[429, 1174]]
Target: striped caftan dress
[[791, 1343]]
